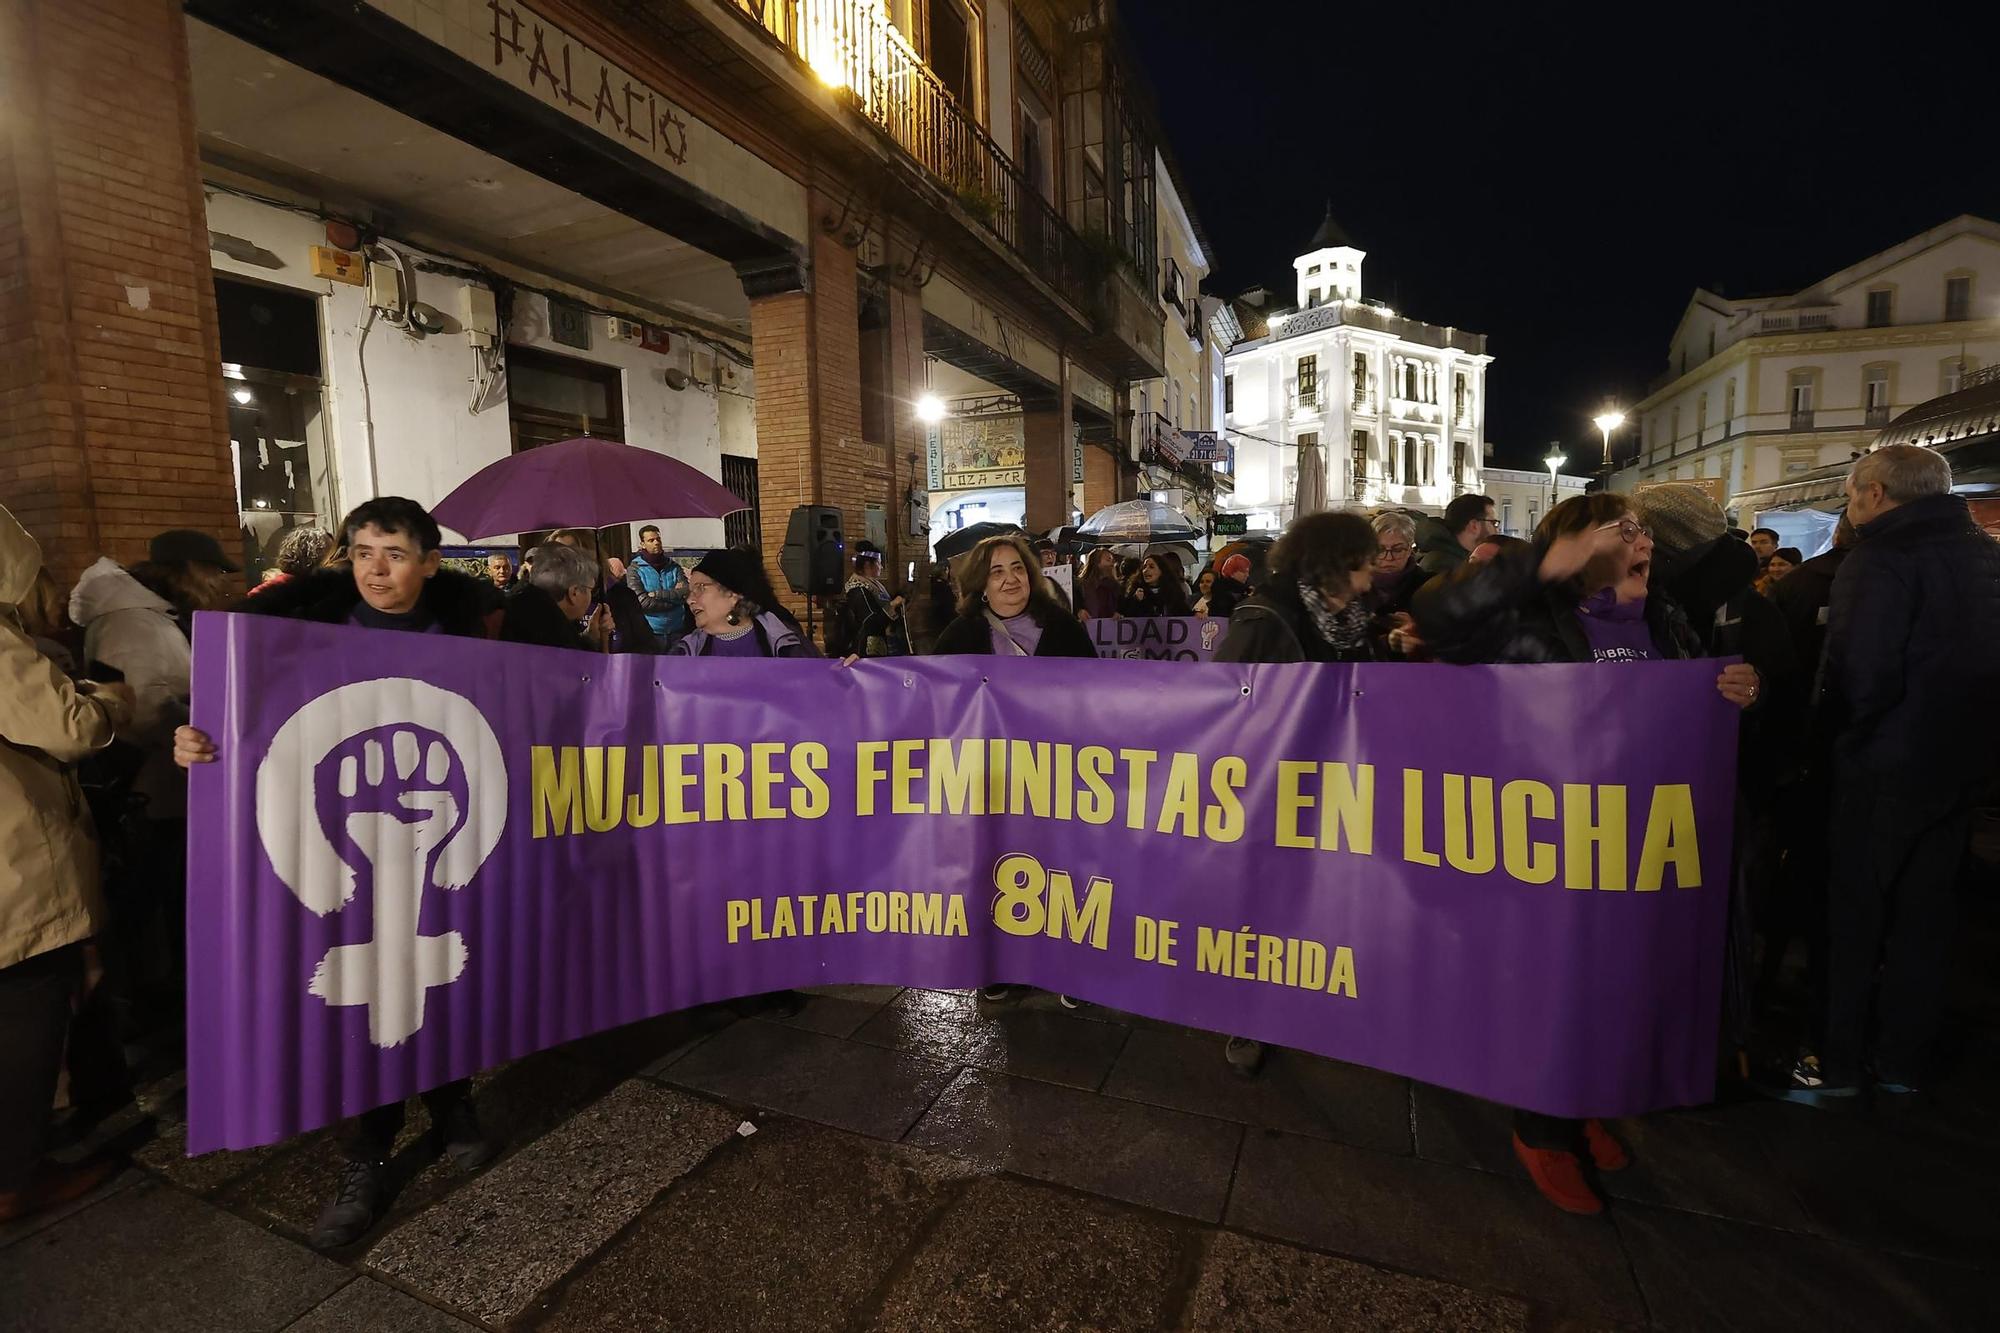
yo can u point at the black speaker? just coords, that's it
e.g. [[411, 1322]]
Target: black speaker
[[814, 557]]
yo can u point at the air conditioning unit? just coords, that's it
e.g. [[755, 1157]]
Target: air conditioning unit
[[621, 330]]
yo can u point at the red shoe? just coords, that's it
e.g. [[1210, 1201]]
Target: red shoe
[[54, 1184], [1559, 1176], [1607, 1152]]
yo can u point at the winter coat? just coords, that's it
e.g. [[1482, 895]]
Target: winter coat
[[1225, 596], [1803, 600], [1913, 650], [1438, 549], [778, 637], [1713, 585], [49, 890], [867, 627], [1062, 634], [1100, 598], [1168, 598], [134, 631], [662, 592], [460, 604], [1273, 625], [1502, 612], [533, 617]]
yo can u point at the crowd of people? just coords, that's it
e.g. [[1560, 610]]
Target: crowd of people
[[1857, 669]]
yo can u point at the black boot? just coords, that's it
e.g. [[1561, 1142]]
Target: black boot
[[462, 1137], [362, 1199]]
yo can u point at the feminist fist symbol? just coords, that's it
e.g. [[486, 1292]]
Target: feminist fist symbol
[[396, 810], [407, 805]]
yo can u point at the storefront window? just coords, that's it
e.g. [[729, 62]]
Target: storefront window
[[277, 416]]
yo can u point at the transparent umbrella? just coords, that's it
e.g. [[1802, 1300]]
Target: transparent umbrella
[[1147, 522]]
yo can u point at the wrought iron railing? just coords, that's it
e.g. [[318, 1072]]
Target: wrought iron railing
[[852, 45]]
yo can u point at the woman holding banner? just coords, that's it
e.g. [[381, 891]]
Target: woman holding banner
[[1309, 609], [736, 612], [1006, 609], [1578, 593]]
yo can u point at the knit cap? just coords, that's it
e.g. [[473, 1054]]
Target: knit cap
[[1682, 517]]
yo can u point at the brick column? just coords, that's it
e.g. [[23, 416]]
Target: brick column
[[805, 343], [907, 464], [112, 418], [1100, 479], [1047, 437]]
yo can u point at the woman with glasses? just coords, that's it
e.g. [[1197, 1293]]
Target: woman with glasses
[[1395, 577], [1578, 593]]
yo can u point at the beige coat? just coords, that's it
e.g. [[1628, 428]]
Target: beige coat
[[49, 890]]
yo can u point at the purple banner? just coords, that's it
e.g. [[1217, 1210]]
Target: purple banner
[[418, 857], [1159, 638]]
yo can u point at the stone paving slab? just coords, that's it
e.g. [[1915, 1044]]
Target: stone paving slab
[[867, 1089], [1467, 1227], [1147, 1155], [1703, 1167], [517, 1103], [1029, 1040], [787, 1231], [1252, 1286], [1709, 1273], [22, 1228], [1295, 1092], [1015, 1256], [491, 1247], [367, 1306], [155, 1258]]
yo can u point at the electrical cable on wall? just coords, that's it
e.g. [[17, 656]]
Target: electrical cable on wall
[[472, 270]]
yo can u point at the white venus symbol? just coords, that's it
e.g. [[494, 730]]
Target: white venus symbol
[[402, 751]]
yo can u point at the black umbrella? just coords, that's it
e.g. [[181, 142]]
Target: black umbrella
[[954, 544]]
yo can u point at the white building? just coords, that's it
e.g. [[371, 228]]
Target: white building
[[1396, 407], [1521, 498], [1187, 398], [1765, 389]]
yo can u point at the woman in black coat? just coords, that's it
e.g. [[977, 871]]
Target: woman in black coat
[[1006, 609], [1312, 605], [1310, 608], [1158, 589], [1578, 593]]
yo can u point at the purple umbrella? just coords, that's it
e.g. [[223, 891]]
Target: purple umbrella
[[580, 483]]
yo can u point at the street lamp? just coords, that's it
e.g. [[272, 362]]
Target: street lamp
[[1555, 460], [1607, 421], [930, 409]]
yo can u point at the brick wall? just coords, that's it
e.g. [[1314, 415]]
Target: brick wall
[[1100, 479], [111, 400], [807, 350]]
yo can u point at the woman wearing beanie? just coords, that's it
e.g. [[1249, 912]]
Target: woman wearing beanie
[[1579, 593], [736, 612]]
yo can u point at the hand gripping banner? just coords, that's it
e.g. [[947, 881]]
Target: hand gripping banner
[[419, 856]]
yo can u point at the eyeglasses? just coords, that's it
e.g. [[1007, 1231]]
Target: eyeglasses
[[1630, 529], [1396, 552]]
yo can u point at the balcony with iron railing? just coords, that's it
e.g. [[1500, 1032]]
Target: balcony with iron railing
[[854, 47]]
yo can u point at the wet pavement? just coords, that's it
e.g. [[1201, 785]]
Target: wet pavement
[[911, 1160]]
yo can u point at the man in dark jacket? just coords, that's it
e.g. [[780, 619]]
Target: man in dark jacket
[[1913, 656], [393, 581], [1467, 520], [1804, 597], [556, 600]]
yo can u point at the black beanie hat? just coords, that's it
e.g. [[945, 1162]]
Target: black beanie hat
[[735, 569]]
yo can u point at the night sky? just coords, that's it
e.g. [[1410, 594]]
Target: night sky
[[1559, 188]]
